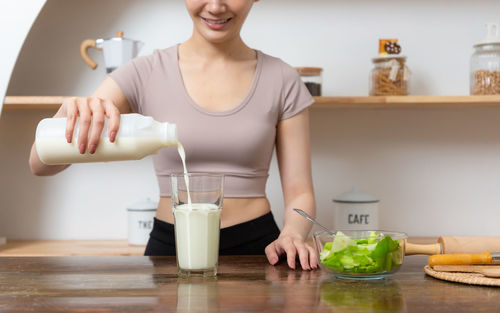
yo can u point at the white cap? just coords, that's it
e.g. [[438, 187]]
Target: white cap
[[356, 196], [492, 35], [144, 205]]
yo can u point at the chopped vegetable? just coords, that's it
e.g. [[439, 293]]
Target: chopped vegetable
[[374, 254]]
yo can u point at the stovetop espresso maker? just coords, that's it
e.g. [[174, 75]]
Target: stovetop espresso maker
[[117, 50]]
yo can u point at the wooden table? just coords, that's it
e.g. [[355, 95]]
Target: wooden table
[[244, 284]]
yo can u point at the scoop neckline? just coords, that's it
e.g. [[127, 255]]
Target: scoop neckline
[[232, 110]]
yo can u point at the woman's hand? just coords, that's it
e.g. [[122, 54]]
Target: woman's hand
[[293, 246], [90, 111]]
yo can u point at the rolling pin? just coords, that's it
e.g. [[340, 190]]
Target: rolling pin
[[464, 259], [449, 244]]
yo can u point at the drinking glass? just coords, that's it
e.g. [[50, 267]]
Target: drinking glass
[[196, 203]]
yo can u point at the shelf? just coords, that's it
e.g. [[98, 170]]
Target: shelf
[[69, 248], [32, 102], [382, 102], [407, 102]]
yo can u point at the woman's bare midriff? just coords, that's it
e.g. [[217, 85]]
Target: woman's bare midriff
[[234, 210]]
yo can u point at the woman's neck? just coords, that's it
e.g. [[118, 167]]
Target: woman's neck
[[197, 47]]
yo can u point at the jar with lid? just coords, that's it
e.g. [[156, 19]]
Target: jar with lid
[[140, 221], [485, 64], [312, 78], [389, 76], [355, 210]]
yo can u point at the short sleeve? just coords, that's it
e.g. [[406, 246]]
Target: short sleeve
[[132, 77], [295, 95]]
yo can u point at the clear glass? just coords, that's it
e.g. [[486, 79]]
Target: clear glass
[[389, 77], [386, 260], [485, 70], [197, 222]]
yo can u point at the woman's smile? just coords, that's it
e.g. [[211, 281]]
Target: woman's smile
[[216, 24]]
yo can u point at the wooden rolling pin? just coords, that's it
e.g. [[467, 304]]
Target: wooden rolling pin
[[448, 244], [464, 259]]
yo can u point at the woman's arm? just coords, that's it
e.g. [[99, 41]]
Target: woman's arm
[[294, 161], [107, 101]]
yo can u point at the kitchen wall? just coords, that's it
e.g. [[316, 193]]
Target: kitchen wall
[[435, 171]]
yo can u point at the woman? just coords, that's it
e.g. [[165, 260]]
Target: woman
[[232, 105]]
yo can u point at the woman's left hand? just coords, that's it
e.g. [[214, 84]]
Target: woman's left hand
[[292, 246]]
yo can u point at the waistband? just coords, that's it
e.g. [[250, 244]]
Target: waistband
[[231, 236], [234, 186]]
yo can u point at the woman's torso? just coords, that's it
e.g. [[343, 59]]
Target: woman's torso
[[215, 92], [234, 210]]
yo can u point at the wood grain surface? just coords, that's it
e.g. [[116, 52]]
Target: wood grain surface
[[244, 284], [70, 248]]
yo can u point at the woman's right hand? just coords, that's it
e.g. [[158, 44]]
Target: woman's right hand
[[91, 112]]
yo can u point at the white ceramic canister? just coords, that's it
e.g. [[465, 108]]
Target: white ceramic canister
[[140, 221], [355, 210]]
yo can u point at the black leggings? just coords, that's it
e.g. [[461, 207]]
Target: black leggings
[[248, 238]]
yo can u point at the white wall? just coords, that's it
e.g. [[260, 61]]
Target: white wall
[[16, 20], [436, 171]]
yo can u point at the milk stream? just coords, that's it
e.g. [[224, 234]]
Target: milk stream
[[182, 154]]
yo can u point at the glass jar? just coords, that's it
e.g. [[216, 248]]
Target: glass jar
[[485, 64], [311, 76], [389, 76]]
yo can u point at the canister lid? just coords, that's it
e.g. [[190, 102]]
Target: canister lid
[[385, 58], [355, 196], [143, 205], [492, 35], [309, 71]]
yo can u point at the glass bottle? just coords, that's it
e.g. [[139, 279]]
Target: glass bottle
[[485, 64], [312, 78]]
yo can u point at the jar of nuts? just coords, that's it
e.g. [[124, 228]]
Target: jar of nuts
[[390, 75], [311, 76], [485, 64]]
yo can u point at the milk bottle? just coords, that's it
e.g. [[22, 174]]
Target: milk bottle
[[138, 136]]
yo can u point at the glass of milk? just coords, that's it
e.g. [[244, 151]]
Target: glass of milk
[[196, 204]]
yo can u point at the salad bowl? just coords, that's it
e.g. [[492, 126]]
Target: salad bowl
[[356, 254]]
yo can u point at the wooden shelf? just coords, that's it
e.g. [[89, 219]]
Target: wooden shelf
[[32, 102], [69, 248], [407, 102], [382, 102]]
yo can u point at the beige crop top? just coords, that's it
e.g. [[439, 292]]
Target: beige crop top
[[238, 142]]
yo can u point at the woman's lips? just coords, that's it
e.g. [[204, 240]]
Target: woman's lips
[[216, 24]]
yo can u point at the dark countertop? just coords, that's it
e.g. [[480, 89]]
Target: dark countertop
[[244, 284]]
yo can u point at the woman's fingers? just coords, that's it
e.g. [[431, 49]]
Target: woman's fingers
[[92, 113], [271, 253], [290, 250], [303, 254], [293, 248], [97, 123], [83, 123], [113, 114], [71, 109], [313, 256]]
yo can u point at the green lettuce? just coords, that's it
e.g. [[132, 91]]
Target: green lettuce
[[374, 254]]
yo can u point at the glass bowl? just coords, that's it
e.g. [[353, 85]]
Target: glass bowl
[[360, 254]]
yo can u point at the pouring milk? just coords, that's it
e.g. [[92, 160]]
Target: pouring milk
[[197, 225]]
